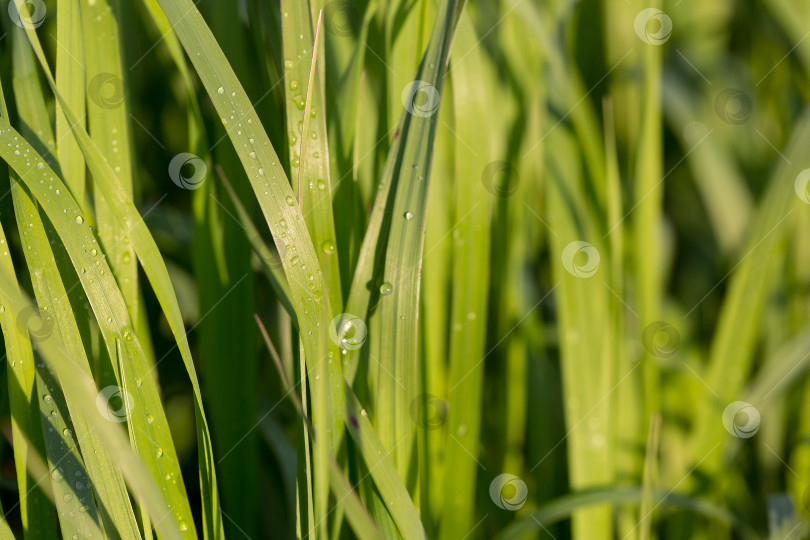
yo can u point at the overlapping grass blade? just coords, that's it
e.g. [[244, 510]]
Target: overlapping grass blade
[[732, 349], [155, 269], [283, 215], [470, 281], [80, 387], [155, 442], [361, 522], [52, 297]]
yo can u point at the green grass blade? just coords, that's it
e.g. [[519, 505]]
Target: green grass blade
[[108, 127], [70, 76], [278, 204], [394, 323], [110, 309], [154, 267], [361, 522], [309, 151], [50, 290], [80, 387], [470, 282]]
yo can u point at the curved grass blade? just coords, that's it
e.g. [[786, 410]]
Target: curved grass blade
[[393, 346], [306, 124], [108, 127], [80, 387], [270, 261], [470, 282], [359, 518], [277, 201], [155, 269], [52, 297], [109, 308]]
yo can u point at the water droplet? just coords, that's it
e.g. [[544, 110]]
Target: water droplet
[[386, 288], [294, 260], [47, 397], [321, 185], [261, 172], [149, 419], [56, 474], [40, 166], [159, 453], [328, 246], [79, 220], [93, 252], [67, 433], [220, 90], [58, 192], [409, 215], [2, 308], [183, 526]]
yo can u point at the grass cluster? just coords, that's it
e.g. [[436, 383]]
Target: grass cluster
[[411, 269]]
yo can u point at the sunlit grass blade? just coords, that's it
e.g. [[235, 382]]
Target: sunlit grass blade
[[80, 387], [361, 522], [113, 322], [283, 215], [70, 77], [394, 321], [732, 349], [54, 299], [470, 281], [306, 126], [108, 126], [270, 261], [578, 261]]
